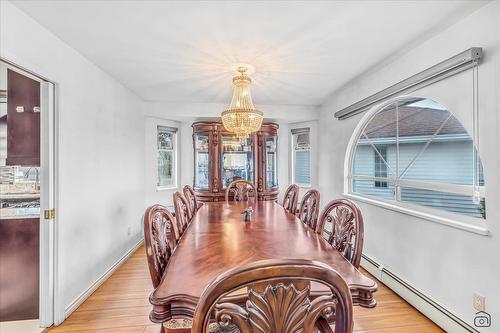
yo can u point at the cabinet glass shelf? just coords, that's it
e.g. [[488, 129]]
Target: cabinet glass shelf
[[271, 143], [202, 161]]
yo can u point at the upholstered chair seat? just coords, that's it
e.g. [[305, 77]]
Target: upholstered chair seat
[[184, 326]]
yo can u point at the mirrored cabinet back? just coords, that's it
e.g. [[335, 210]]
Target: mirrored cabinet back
[[220, 158]]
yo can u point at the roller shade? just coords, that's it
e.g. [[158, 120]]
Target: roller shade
[[167, 129], [447, 68]]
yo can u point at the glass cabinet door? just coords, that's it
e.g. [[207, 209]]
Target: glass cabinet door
[[271, 144], [201, 161], [237, 160]]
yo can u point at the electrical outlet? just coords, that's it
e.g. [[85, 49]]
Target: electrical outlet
[[129, 231], [479, 302]]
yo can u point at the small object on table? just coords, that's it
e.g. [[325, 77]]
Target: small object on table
[[248, 214]]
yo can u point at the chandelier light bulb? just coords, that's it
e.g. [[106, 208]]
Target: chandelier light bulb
[[242, 118]]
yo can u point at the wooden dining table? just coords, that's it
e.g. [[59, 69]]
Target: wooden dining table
[[218, 239]]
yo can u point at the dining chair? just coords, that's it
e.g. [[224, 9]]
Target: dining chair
[[308, 212], [182, 212], [241, 189], [341, 224], [278, 299], [160, 241], [190, 196], [291, 198]]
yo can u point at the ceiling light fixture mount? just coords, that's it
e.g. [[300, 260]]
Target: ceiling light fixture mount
[[242, 118]]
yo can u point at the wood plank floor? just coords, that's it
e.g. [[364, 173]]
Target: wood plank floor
[[121, 305]]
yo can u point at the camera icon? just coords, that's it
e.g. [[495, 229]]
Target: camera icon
[[482, 319]]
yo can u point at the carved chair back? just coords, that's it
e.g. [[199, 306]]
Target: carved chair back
[[291, 198], [278, 299], [182, 212], [159, 235], [191, 198], [308, 212], [341, 224], [242, 190]]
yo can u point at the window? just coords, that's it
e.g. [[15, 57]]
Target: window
[[415, 151], [301, 150], [166, 149]]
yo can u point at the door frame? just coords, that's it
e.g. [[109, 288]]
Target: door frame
[[49, 303]]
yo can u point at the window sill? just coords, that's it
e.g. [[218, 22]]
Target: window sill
[[166, 188], [471, 224]]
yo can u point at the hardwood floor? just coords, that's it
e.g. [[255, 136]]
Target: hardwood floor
[[121, 305]]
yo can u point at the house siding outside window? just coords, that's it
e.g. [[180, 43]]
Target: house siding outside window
[[380, 154]]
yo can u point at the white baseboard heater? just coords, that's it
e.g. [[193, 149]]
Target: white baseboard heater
[[426, 305]]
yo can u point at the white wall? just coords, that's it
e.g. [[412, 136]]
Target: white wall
[[446, 263], [188, 112], [187, 155], [100, 164], [283, 158]]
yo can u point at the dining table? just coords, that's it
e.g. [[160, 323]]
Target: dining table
[[218, 239]]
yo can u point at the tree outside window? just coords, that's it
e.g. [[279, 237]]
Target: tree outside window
[[166, 157]]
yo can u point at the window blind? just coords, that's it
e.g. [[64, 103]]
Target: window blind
[[302, 167], [302, 156]]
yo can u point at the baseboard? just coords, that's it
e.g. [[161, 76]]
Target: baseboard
[[84, 295], [422, 302]]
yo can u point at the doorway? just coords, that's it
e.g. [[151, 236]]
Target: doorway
[[27, 205]]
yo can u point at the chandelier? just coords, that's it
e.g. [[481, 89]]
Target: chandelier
[[242, 118]]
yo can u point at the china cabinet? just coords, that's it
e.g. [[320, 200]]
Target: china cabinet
[[220, 158], [20, 176], [23, 120]]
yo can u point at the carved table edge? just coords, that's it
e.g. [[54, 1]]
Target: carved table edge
[[162, 307], [373, 288]]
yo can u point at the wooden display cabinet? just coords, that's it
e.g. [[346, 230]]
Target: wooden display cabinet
[[219, 158]]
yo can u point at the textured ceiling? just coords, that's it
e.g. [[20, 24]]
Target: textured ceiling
[[185, 51]]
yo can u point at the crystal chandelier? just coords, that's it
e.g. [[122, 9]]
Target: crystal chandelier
[[242, 118]]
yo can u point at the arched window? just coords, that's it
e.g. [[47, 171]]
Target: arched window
[[414, 151]]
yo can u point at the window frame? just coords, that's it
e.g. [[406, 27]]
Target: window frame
[[460, 221], [174, 150], [294, 133]]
